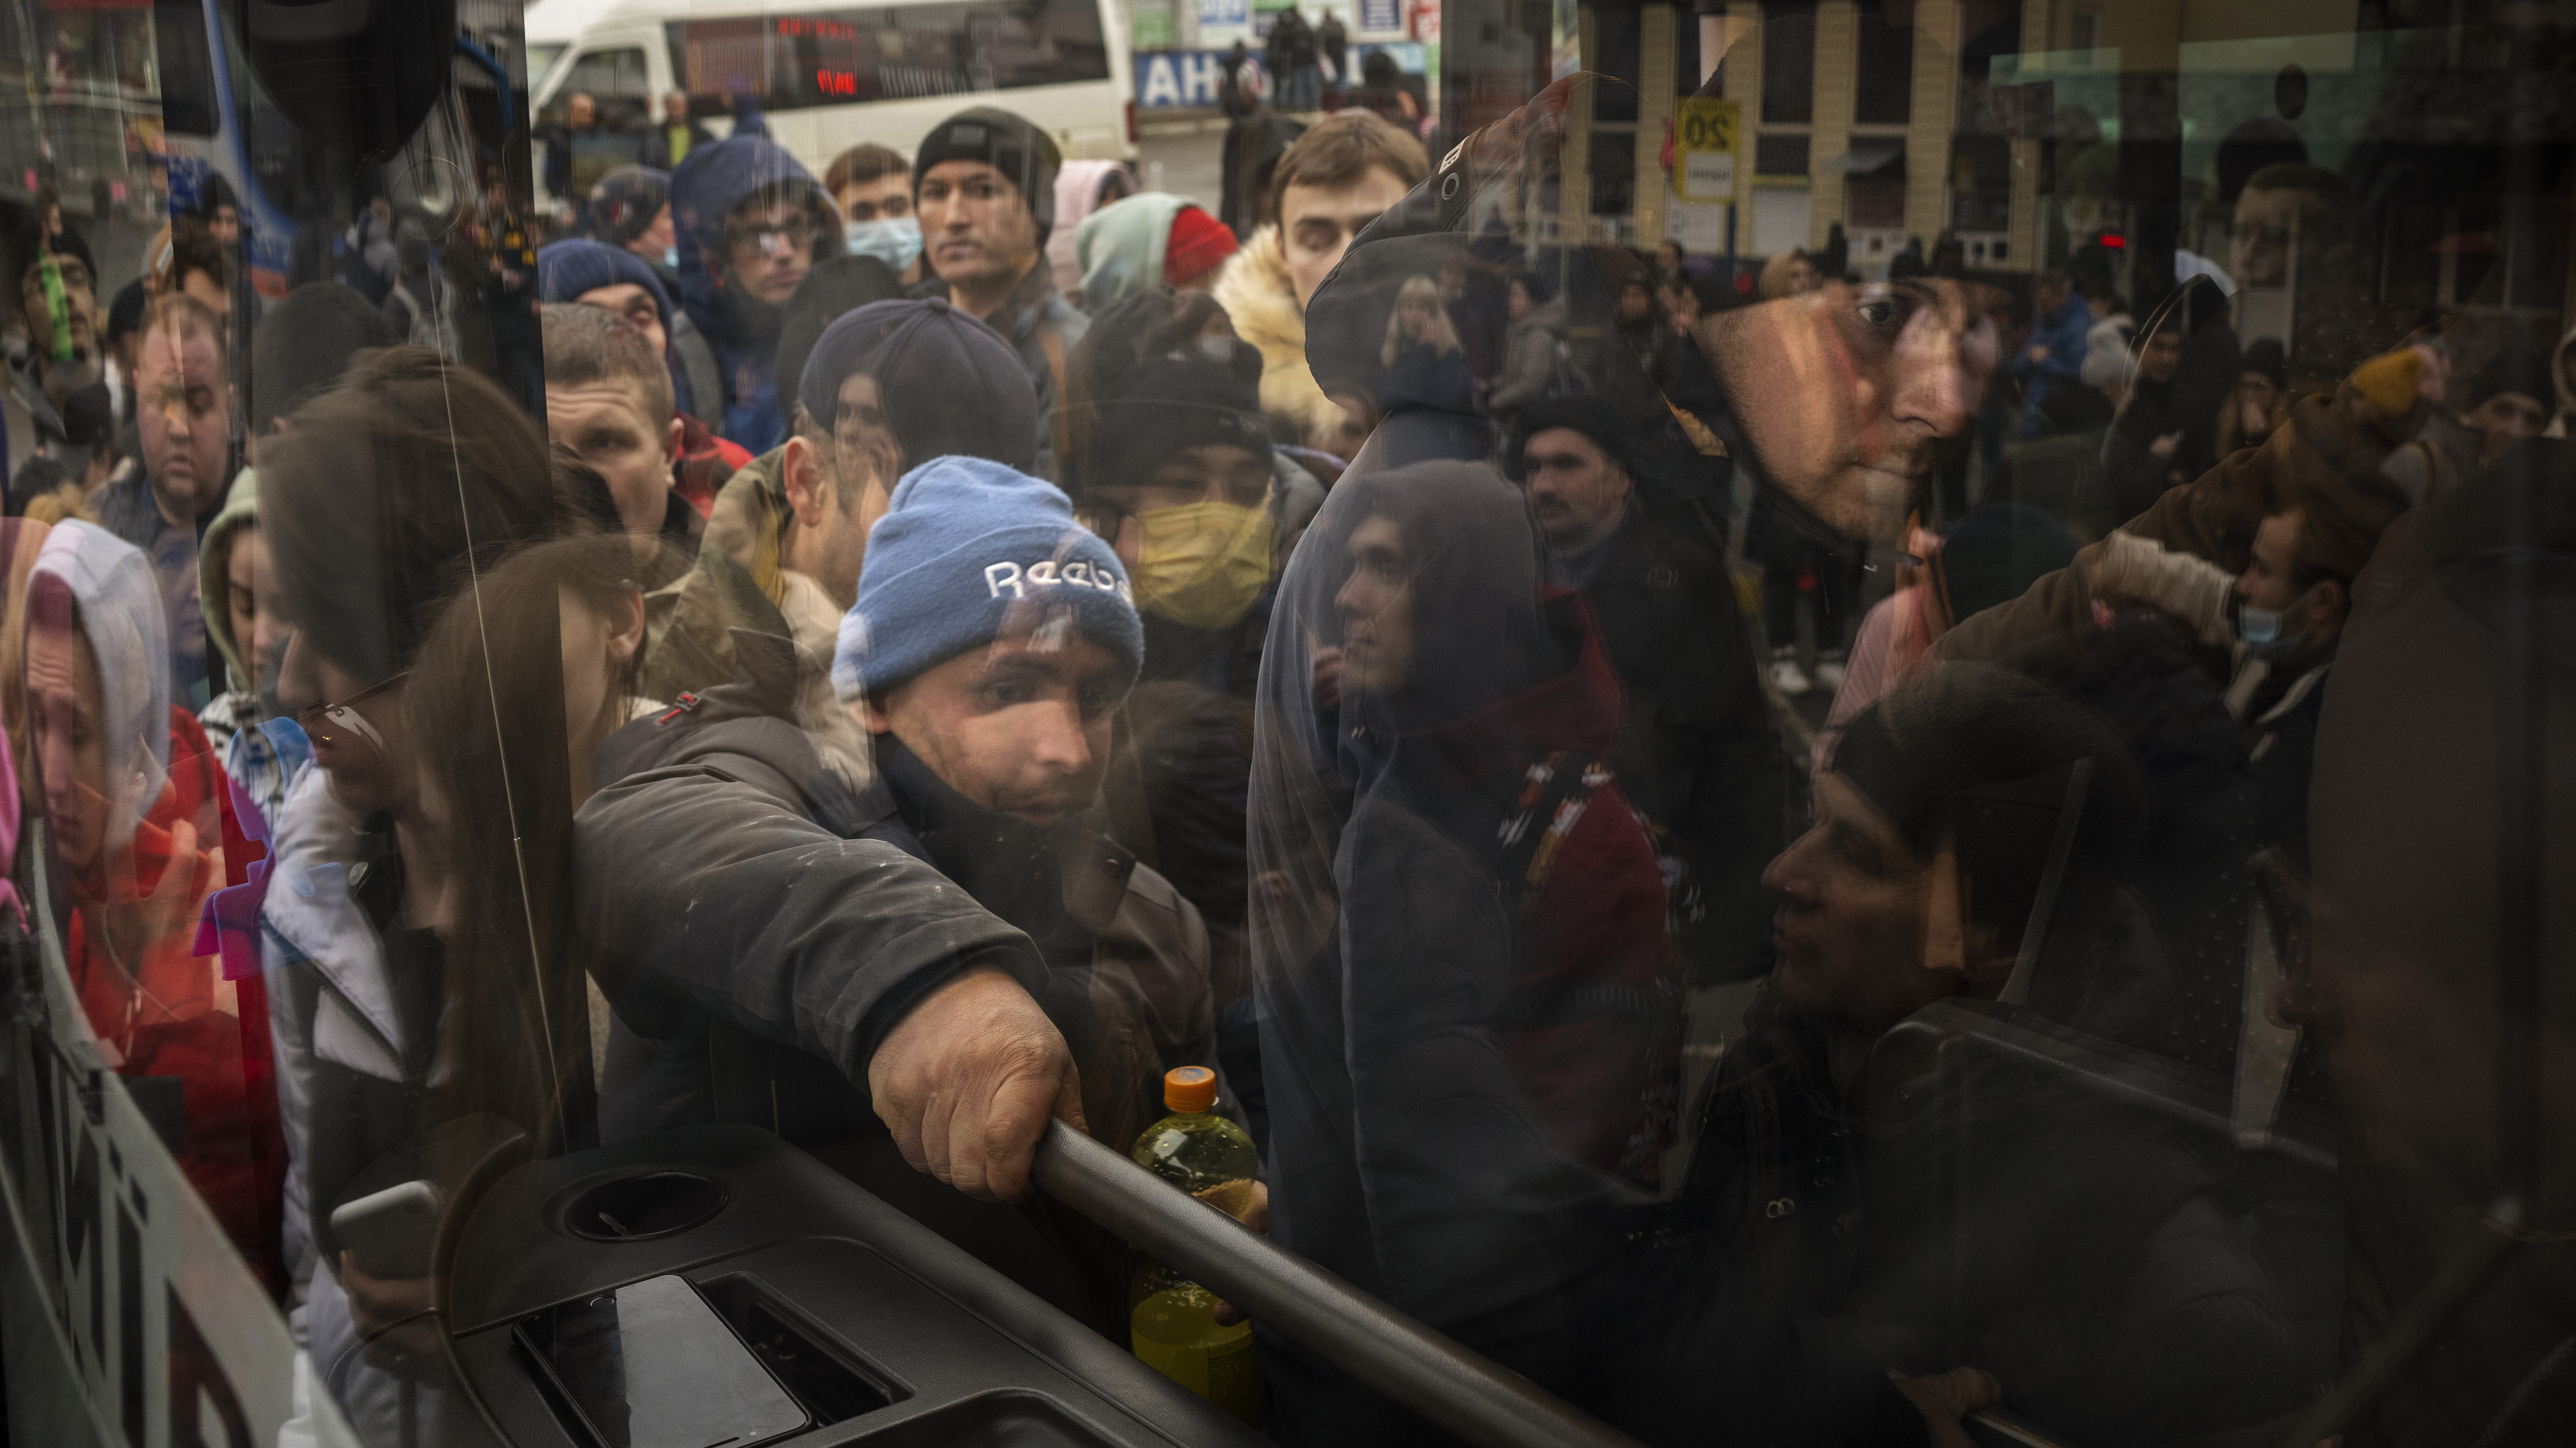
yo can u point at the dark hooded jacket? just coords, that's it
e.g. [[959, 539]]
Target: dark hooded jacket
[[1462, 961], [1697, 751], [765, 913], [740, 331]]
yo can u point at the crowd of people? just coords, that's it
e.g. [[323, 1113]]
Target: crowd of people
[[848, 679]]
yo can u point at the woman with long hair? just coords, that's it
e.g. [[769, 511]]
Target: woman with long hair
[[524, 675], [1424, 371], [1418, 324]]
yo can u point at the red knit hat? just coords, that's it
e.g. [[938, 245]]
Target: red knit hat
[[1199, 244]]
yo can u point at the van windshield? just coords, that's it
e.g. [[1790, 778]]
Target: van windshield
[[542, 55], [838, 57]]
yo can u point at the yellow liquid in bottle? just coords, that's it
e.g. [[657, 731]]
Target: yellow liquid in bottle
[[1175, 1332]]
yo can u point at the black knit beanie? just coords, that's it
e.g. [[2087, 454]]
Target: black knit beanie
[[1005, 142]]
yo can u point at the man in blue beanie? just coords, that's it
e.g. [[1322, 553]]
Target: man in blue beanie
[[993, 639], [912, 967], [612, 277]]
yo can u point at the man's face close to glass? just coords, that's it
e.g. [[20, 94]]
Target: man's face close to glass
[[1375, 607], [2505, 419], [605, 423], [1848, 929], [1020, 726], [225, 225], [182, 409], [1845, 394], [770, 249], [1316, 224], [2161, 358], [1577, 493], [2267, 224], [975, 223], [80, 299]]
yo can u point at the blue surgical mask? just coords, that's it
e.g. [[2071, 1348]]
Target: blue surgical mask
[[671, 257], [2261, 630], [896, 240]]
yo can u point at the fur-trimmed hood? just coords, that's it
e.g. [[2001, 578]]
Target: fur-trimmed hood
[[1258, 294]]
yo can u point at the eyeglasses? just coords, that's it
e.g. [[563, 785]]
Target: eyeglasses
[[328, 722]]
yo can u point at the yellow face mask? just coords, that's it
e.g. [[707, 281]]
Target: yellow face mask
[[1202, 565]]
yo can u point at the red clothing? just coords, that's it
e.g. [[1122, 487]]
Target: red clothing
[[1590, 1016], [706, 461], [166, 1012]]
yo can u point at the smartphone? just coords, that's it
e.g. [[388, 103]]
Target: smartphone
[[651, 1365], [390, 1232]]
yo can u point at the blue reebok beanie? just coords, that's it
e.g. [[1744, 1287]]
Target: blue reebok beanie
[[970, 550]]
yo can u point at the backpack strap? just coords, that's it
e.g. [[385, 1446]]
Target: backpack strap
[[1051, 342]]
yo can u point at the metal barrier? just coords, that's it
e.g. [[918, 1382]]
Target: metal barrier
[[1457, 1389]]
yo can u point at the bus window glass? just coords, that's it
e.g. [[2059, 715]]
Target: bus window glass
[[825, 58]]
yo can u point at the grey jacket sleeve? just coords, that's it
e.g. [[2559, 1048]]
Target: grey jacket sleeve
[[706, 885], [1530, 366]]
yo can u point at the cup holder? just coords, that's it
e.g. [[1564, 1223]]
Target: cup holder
[[640, 1208]]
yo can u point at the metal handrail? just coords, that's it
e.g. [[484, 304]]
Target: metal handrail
[[1455, 1388]]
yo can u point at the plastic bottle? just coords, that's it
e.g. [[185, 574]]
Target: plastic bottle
[[58, 308], [1173, 1326]]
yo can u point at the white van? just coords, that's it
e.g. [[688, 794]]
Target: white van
[[827, 79]]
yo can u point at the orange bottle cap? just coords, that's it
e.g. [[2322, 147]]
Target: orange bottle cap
[[1189, 1088]]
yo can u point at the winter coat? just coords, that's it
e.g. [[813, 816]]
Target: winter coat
[[1529, 358], [2064, 333], [1261, 299], [125, 506], [2405, 821], [354, 1008], [1655, 345], [660, 143], [1429, 404], [1740, 1272], [1043, 328], [765, 913], [189, 1030], [734, 583], [1462, 961], [741, 332], [1696, 752]]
